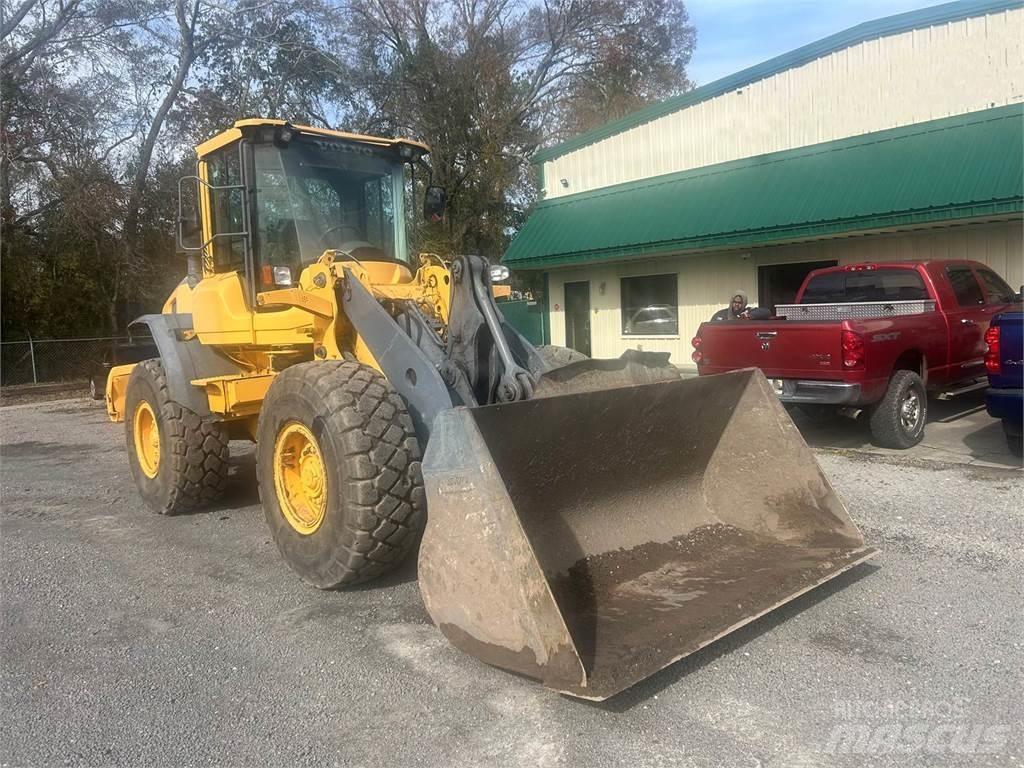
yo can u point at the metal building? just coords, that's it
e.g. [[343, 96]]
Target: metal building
[[897, 139]]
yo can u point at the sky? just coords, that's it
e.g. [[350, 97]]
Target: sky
[[735, 34]]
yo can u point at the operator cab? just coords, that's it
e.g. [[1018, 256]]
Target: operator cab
[[274, 197]]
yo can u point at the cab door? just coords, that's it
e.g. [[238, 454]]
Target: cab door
[[222, 300], [999, 296], [968, 320]]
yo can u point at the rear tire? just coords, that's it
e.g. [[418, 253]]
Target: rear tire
[[339, 472], [186, 464], [557, 357], [898, 419]]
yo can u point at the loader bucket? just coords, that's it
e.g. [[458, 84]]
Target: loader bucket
[[590, 539]]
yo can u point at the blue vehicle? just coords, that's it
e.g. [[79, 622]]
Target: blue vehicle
[[1005, 363]]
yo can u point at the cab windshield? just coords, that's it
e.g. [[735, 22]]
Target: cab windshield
[[314, 196]]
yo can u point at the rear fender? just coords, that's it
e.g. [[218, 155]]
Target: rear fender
[[911, 360], [185, 359], [116, 389]]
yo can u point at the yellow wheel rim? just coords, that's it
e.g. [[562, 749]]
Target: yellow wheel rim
[[147, 438], [300, 478]]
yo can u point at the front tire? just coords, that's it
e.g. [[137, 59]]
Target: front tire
[[898, 419], [339, 472], [178, 460]]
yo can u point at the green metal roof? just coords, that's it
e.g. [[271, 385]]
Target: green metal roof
[[891, 25], [953, 168]]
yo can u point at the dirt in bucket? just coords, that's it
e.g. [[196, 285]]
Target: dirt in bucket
[[632, 612]]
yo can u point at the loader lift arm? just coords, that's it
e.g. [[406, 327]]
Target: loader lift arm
[[482, 361]]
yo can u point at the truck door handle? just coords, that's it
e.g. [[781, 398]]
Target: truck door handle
[[967, 321], [767, 334]]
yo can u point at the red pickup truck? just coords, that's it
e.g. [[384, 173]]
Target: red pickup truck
[[872, 337]]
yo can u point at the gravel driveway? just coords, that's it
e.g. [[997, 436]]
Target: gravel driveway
[[131, 639]]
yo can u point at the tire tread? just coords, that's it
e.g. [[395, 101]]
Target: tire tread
[[199, 448], [885, 415], [382, 487]]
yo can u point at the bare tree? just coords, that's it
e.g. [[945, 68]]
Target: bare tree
[[101, 102], [487, 82]]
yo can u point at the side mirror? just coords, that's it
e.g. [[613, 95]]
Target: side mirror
[[189, 234], [434, 200]]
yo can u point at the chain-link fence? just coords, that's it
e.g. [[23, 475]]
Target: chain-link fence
[[54, 360]]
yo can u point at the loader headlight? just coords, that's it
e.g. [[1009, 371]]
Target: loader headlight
[[283, 276], [499, 273]]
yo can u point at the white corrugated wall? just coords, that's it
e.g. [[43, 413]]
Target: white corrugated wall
[[706, 281], [912, 77]]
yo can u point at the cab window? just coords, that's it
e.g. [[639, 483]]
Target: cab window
[[223, 169], [312, 197], [996, 289], [874, 285], [277, 234], [965, 286]]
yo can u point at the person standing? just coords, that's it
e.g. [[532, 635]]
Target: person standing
[[737, 309]]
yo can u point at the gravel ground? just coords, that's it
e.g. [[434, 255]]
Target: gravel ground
[[130, 639]]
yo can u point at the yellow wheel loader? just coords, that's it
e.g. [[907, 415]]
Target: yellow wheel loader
[[582, 522]]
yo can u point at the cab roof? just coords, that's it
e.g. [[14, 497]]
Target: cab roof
[[236, 132]]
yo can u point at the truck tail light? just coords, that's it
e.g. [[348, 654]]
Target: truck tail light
[[853, 350], [698, 355], [992, 355]]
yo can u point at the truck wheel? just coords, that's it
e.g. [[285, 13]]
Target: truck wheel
[[897, 420], [557, 357], [178, 460], [339, 472], [1014, 438]]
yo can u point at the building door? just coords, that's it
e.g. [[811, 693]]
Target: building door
[[577, 317], [778, 283]]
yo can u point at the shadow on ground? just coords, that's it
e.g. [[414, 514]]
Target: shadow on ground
[[958, 431]]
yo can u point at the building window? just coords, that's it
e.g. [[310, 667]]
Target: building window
[[650, 305]]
